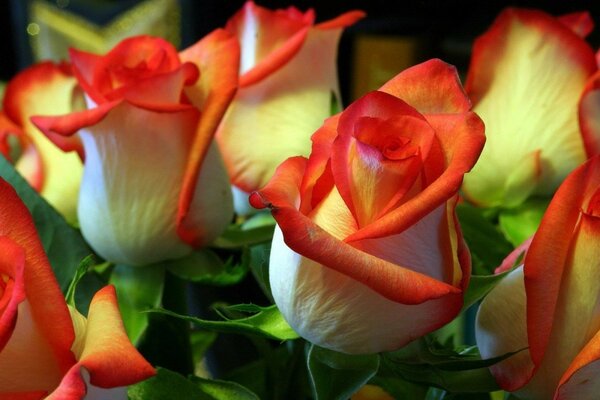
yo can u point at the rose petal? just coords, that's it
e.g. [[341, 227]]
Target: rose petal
[[545, 264], [461, 138], [44, 297], [114, 185], [290, 105], [47, 89], [269, 39], [579, 22], [501, 328], [216, 55], [431, 87], [525, 79], [108, 354], [394, 282]]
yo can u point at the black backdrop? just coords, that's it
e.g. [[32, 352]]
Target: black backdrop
[[442, 22]]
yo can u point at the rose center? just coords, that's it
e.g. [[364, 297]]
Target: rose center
[[399, 148]]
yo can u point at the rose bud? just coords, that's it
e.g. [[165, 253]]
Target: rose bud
[[44, 88], [526, 78], [288, 78], [45, 350], [154, 186], [368, 254], [547, 309]]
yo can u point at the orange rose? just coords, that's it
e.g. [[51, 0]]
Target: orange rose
[[368, 254], [46, 351], [154, 186]]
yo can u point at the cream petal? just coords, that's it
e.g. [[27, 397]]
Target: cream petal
[[532, 76], [501, 327], [577, 316], [583, 385], [131, 184], [212, 204], [339, 313], [27, 362], [417, 248], [273, 119]]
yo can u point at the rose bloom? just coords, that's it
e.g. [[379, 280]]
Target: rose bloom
[[368, 254], [526, 78], [288, 78], [154, 185], [47, 350], [44, 88], [548, 307]]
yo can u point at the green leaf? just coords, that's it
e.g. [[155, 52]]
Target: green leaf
[[267, 322], [87, 287], [63, 244], [82, 269], [204, 266], [235, 236], [426, 362], [462, 381], [138, 289], [486, 243], [223, 390], [166, 340], [166, 385], [480, 286], [518, 224], [201, 340], [259, 265], [254, 376], [336, 375], [262, 218]]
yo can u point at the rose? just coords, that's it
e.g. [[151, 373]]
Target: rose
[[44, 88], [526, 78], [548, 306], [45, 350], [153, 186], [368, 254], [288, 77]]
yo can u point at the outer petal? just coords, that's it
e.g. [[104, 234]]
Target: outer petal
[[217, 57], [545, 264], [115, 184], [108, 354], [335, 311], [47, 89], [269, 39], [501, 328], [579, 22], [432, 87], [12, 286], [43, 325], [525, 79], [580, 381], [302, 235], [589, 116], [108, 359], [272, 120], [577, 306]]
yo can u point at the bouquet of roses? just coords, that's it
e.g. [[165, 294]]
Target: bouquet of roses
[[211, 224]]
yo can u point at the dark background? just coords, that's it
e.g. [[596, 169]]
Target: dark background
[[447, 27]]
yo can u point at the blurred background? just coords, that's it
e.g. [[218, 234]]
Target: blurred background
[[395, 34]]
